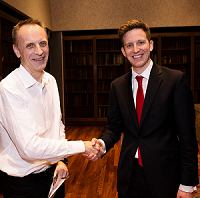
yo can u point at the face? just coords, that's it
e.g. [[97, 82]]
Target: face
[[137, 49], [32, 49]]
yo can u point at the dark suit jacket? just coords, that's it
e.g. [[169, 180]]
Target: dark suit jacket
[[166, 135]]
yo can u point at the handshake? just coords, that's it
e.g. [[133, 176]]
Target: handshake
[[93, 149]]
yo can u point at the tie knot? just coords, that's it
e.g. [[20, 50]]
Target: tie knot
[[139, 79]]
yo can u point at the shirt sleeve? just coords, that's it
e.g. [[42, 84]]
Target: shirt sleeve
[[188, 189], [24, 134]]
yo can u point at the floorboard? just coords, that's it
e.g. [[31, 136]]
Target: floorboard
[[91, 179]]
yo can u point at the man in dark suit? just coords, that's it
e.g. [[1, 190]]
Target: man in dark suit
[[158, 156]]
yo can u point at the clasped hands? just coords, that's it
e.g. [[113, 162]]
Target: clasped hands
[[93, 149]]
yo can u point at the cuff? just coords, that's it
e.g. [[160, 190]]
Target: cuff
[[188, 189], [104, 146]]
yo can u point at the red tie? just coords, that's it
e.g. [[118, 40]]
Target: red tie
[[139, 106]]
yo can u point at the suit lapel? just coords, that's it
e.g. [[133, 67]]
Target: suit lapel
[[129, 97], [153, 85]]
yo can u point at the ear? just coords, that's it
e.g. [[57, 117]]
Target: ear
[[17, 53], [123, 51], [151, 45]]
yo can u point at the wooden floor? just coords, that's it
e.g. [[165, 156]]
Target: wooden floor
[[90, 179]]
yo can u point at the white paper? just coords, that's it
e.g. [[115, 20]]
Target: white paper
[[53, 190]]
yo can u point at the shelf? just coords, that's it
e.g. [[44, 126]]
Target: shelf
[[86, 111], [184, 49], [9, 61], [101, 61], [81, 46]]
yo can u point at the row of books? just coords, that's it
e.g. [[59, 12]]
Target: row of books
[[175, 59], [78, 46], [102, 112], [103, 86], [154, 56], [110, 59], [197, 82], [79, 112], [176, 43], [155, 45], [197, 66], [80, 86], [197, 96], [79, 73], [82, 59], [6, 33], [8, 54], [108, 44], [110, 72], [103, 99], [197, 50], [79, 99]]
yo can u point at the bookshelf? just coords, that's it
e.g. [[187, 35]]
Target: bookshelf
[[110, 65], [91, 63], [90, 69], [154, 53], [9, 60], [79, 81], [176, 53]]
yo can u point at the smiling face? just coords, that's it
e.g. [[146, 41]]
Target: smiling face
[[32, 49], [137, 49]]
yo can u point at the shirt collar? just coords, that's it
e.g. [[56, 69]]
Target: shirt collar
[[145, 73], [28, 80]]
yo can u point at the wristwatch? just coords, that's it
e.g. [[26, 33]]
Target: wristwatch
[[65, 161]]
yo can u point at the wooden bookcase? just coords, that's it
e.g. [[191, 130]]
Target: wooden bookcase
[[92, 62], [9, 60], [181, 51]]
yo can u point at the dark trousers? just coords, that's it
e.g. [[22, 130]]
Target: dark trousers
[[138, 187], [31, 186]]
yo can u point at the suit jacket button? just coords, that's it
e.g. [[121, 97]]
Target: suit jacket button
[[132, 155], [140, 138]]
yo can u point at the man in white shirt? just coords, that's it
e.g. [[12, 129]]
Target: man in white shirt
[[32, 136]]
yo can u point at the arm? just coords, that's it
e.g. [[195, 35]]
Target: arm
[[184, 116], [27, 136]]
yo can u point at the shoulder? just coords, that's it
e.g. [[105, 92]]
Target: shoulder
[[168, 73], [11, 80], [50, 78], [123, 78]]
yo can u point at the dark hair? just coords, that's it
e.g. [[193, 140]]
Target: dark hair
[[29, 21], [133, 24]]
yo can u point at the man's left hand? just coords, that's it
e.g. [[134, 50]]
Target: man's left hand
[[60, 172], [182, 194]]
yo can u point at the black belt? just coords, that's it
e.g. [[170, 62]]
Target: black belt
[[36, 176]]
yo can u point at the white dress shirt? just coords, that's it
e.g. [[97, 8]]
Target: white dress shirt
[[145, 81], [32, 135]]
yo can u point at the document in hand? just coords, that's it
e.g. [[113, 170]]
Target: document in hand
[[53, 190]]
